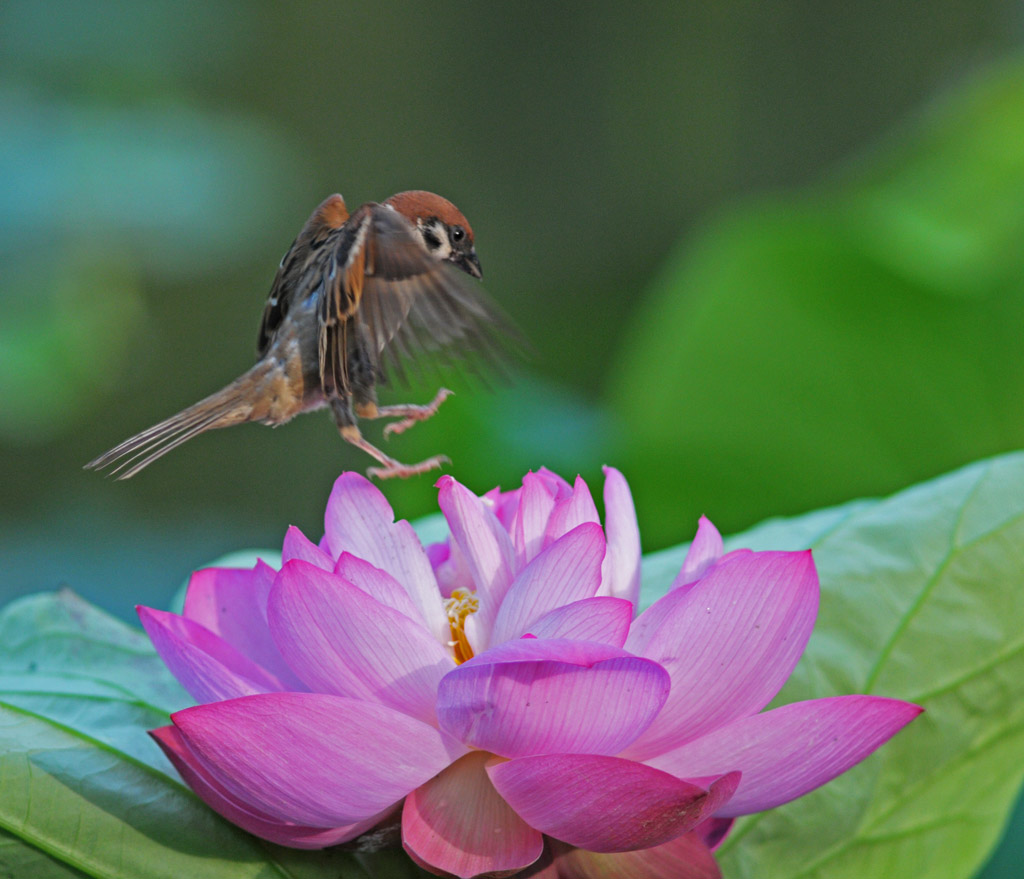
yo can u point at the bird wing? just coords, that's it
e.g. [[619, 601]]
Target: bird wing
[[389, 301], [301, 268]]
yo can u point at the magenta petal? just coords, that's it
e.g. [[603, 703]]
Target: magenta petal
[[714, 831], [298, 546], [602, 803], [600, 618], [379, 585], [571, 511], [786, 752], [544, 867], [313, 759], [232, 603], [685, 857], [486, 547], [568, 570], [359, 520], [621, 571], [729, 643], [515, 708], [205, 664], [340, 640], [438, 553], [536, 501], [245, 816], [457, 823], [705, 550]]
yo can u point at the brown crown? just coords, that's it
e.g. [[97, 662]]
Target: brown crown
[[417, 204]]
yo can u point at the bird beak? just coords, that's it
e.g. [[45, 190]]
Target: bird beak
[[471, 264]]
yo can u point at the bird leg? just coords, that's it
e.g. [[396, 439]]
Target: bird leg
[[350, 433], [409, 413]]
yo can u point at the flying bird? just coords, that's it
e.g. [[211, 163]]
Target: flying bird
[[355, 300]]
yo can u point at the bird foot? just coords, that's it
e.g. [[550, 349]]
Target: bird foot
[[393, 468], [411, 414]]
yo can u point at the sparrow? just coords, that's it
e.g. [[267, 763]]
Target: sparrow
[[356, 298]]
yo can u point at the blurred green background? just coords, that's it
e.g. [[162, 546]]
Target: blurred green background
[[769, 256]]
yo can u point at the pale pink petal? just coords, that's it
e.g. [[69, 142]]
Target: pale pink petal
[[298, 546], [568, 570], [685, 857], [730, 644], [582, 653], [650, 621], [477, 630], [487, 549], [621, 571], [491, 499], [593, 619], [245, 816], [786, 752], [378, 584], [571, 511], [514, 708], [450, 568], [705, 550], [340, 640], [359, 520], [555, 483], [313, 759], [504, 504], [536, 501], [603, 803], [440, 555], [457, 823], [232, 603], [204, 663]]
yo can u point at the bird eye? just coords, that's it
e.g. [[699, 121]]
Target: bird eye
[[458, 233]]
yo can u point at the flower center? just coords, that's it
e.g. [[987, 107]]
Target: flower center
[[459, 606]]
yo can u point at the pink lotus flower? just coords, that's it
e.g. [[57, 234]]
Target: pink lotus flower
[[495, 694]]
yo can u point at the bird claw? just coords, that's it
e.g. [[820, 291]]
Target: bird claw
[[394, 468], [412, 414], [397, 427], [391, 468]]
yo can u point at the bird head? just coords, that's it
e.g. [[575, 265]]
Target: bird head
[[442, 228]]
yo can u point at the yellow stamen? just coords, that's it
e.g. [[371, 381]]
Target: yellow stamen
[[462, 603]]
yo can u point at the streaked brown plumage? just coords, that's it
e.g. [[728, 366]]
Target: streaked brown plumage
[[355, 299]]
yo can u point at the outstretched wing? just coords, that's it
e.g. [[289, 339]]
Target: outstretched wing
[[389, 301], [301, 268]]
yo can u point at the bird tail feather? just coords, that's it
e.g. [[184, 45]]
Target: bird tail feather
[[230, 405]]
